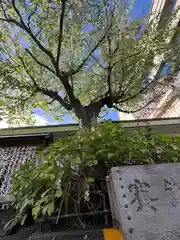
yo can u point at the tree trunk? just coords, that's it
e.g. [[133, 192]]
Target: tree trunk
[[88, 119], [88, 115]]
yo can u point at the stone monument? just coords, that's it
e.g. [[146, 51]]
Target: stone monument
[[145, 201]]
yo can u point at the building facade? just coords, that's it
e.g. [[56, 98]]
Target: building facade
[[168, 106]]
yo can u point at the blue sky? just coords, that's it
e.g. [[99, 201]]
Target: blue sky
[[141, 9]]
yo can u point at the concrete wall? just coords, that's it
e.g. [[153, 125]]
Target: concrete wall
[[170, 126]]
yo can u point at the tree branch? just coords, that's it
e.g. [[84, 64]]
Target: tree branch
[[132, 55], [31, 95], [27, 71], [122, 79], [69, 90], [30, 16], [109, 68], [133, 111], [23, 26], [22, 99], [17, 11], [92, 51], [38, 62], [103, 67], [64, 80], [29, 19], [10, 20], [110, 101], [117, 47], [51, 101], [3, 9], [109, 81], [159, 94], [55, 96], [86, 58], [50, 93], [142, 90], [40, 30], [60, 32]]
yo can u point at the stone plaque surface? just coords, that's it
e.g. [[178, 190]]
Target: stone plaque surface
[[145, 201]]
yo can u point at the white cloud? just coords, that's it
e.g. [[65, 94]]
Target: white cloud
[[40, 121]]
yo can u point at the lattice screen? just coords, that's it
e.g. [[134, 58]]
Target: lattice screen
[[10, 160]]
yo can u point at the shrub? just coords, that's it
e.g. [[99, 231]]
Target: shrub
[[71, 164]]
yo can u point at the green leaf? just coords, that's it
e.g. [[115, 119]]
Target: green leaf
[[50, 208], [58, 118], [44, 210], [10, 224], [12, 11], [110, 155], [69, 158], [90, 180], [92, 163], [26, 204], [43, 195], [36, 211], [58, 193], [23, 219]]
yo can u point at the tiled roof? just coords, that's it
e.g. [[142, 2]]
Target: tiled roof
[[11, 159]]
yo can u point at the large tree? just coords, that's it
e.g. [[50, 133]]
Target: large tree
[[82, 56]]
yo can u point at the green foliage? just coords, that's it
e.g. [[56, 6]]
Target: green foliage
[[73, 163], [37, 187], [87, 51], [145, 148]]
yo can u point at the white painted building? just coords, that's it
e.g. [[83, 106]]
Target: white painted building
[[169, 104]]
